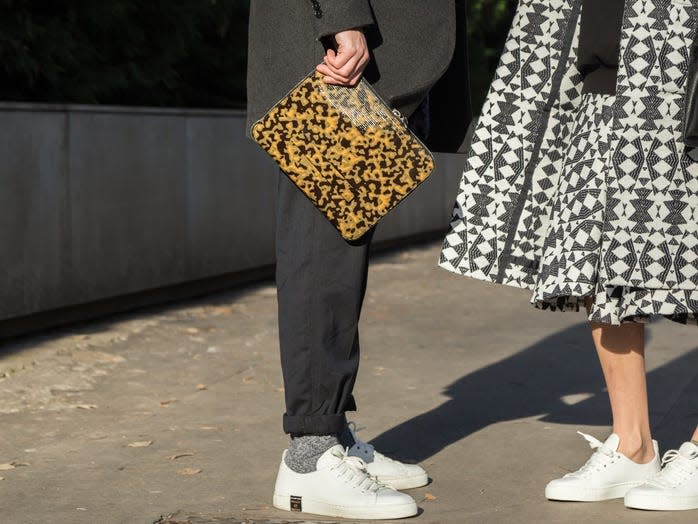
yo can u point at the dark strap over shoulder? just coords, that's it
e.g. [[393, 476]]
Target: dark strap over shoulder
[[690, 120]]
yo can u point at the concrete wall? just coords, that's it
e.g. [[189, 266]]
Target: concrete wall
[[101, 202]]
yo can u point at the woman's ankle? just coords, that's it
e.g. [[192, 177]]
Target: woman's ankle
[[636, 447]]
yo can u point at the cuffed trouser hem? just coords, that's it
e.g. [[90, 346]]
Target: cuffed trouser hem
[[298, 425]]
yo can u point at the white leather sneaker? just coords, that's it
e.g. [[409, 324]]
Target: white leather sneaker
[[674, 488], [341, 487], [390, 472], [608, 474]]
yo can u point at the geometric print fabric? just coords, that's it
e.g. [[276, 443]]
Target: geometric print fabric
[[573, 247], [573, 196], [653, 219], [500, 217]]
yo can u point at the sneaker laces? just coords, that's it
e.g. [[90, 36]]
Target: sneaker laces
[[600, 459], [352, 470], [676, 468], [353, 430]]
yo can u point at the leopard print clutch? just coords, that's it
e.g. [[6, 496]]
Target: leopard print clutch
[[346, 150]]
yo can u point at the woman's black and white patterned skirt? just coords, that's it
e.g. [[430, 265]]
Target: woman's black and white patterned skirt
[[573, 269]]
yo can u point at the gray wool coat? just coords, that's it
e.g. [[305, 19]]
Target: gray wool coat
[[414, 44]]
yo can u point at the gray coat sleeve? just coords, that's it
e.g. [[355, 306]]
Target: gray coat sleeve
[[334, 16]]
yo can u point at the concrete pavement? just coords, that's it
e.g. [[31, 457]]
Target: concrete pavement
[[172, 414]]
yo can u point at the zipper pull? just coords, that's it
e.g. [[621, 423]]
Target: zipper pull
[[402, 118]]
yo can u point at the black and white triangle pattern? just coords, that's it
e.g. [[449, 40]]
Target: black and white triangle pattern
[[572, 247], [511, 170], [649, 262], [575, 196], [652, 224], [573, 266]]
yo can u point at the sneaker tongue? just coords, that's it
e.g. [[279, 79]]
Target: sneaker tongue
[[365, 452], [688, 449], [612, 442], [331, 457]]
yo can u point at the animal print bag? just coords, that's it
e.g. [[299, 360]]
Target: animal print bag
[[346, 150]]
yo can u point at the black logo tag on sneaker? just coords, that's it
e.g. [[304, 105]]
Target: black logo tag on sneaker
[[296, 504]]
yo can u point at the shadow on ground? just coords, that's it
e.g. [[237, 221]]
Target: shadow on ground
[[557, 379]]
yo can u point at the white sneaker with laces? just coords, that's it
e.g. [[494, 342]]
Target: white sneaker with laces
[[340, 487], [608, 474], [675, 487], [393, 473]]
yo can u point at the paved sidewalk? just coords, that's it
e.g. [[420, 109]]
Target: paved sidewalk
[[177, 410]]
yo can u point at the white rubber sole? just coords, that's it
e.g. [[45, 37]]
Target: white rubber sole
[[660, 502], [572, 494], [400, 483], [317, 507]]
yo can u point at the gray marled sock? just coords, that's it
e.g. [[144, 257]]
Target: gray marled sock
[[304, 452]]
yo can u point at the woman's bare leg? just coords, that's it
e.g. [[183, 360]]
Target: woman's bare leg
[[621, 350], [694, 438]]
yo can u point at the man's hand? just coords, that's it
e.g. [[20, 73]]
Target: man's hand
[[346, 66]]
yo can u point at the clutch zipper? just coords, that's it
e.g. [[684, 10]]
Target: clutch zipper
[[402, 117]]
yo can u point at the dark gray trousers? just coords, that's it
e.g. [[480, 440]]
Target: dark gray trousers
[[321, 282]]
